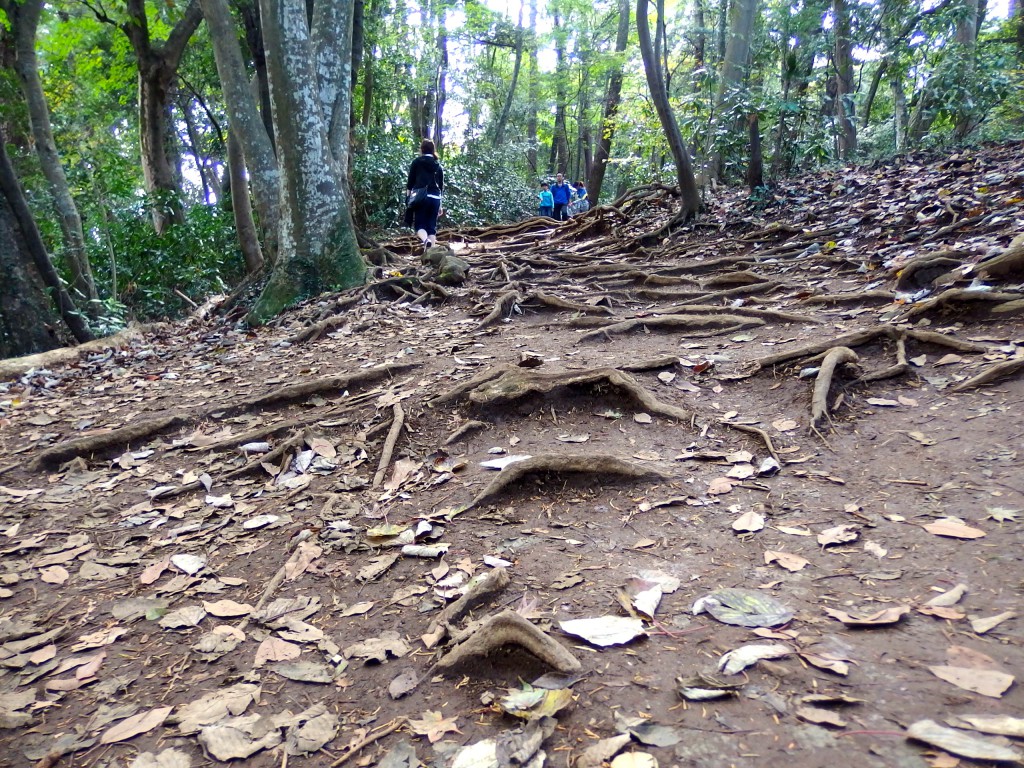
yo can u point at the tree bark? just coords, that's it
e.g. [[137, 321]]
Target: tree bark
[[733, 73], [24, 19], [966, 37], [611, 108], [533, 95], [157, 68], [245, 227], [506, 110], [442, 82], [876, 80], [560, 139], [689, 193], [245, 120], [32, 245], [318, 249], [845, 91], [899, 113]]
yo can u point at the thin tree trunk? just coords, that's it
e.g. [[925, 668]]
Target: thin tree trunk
[[734, 71], [245, 227], [700, 39], [967, 36], [844, 105], [876, 80], [506, 110], [25, 22], [367, 91], [560, 139], [197, 155], [10, 190], [251, 21], [611, 108], [684, 168], [533, 95], [899, 113], [442, 83]]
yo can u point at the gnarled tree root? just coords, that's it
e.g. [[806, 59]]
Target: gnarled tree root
[[823, 383], [600, 466], [723, 323], [959, 296], [991, 375], [464, 429], [503, 308], [505, 629], [58, 454], [515, 384], [480, 589]]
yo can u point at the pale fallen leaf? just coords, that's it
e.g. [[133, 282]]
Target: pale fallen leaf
[[154, 571], [276, 649], [785, 560], [889, 615], [642, 418], [876, 549], [434, 726], [604, 630], [840, 534], [983, 625], [987, 682], [131, 727], [55, 574], [301, 559], [188, 563], [963, 744], [1000, 725], [785, 425], [748, 522], [738, 659], [227, 609], [954, 529], [719, 486], [820, 716], [949, 359], [949, 597], [635, 760]]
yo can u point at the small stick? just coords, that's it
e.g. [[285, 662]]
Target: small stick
[[760, 432], [370, 738], [389, 445], [275, 582]]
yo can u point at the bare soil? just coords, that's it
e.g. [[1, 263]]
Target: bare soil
[[890, 457]]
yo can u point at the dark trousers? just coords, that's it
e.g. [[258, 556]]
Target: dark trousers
[[425, 215], [560, 213]]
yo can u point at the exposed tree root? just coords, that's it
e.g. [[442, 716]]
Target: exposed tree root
[[480, 589], [958, 296], [766, 314], [515, 384], [724, 323], [901, 368], [505, 629], [1008, 264], [469, 385], [740, 277], [823, 383], [18, 366], [654, 364], [602, 467], [389, 444], [854, 297], [574, 306], [923, 271], [503, 308], [858, 338], [760, 433], [132, 433], [991, 375], [464, 429]]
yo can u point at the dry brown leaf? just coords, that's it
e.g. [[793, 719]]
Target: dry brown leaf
[[748, 522], [154, 571], [840, 534], [227, 609], [133, 726], [983, 625], [434, 726], [719, 486], [986, 682], [276, 649], [953, 529], [889, 615], [785, 560], [301, 559]]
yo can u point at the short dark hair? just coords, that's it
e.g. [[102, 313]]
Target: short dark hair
[[427, 147], [544, 184]]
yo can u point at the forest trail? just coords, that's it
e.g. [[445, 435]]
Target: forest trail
[[219, 543]]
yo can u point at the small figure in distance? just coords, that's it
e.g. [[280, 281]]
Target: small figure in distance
[[582, 204], [424, 188], [547, 204], [561, 193]]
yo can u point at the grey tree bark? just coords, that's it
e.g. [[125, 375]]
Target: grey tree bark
[[31, 244], [735, 65], [611, 108], [533, 94], [24, 18], [317, 245], [245, 227], [690, 205], [506, 110], [245, 120], [845, 104]]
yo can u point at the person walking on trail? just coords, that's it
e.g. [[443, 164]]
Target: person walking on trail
[[424, 188], [582, 204], [547, 204], [561, 194]]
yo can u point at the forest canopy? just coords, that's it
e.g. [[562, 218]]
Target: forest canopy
[[160, 152]]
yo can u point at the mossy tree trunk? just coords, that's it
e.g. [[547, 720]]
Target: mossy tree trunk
[[310, 69]]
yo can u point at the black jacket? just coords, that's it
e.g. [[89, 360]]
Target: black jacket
[[425, 171]]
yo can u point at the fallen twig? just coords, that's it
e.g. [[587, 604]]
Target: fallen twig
[[370, 738], [389, 445]]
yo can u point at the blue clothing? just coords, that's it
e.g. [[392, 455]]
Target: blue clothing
[[546, 210], [546, 201], [561, 193]]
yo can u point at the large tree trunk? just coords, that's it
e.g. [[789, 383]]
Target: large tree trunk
[[245, 120], [845, 114], [252, 22], [318, 249], [442, 82], [24, 20], [30, 243], [690, 205], [899, 113], [157, 68], [560, 140], [733, 73], [967, 37], [611, 108]]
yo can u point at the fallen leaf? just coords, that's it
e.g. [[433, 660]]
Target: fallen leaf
[[882, 402], [601, 751], [189, 616], [876, 549], [785, 560], [949, 359], [1000, 725], [744, 608], [238, 737], [735, 661], [567, 580], [504, 461], [301, 559], [642, 418], [379, 648], [55, 574], [981, 626], [840, 534], [963, 744], [888, 615], [357, 609], [276, 649], [719, 486], [604, 631], [403, 684], [635, 760], [535, 703], [820, 716], [434, 726], [376, 567], [954, 529], [785, 425], [189, 564], [948, 598], [304, 671], [131, 727], [215, 706], [154, 571], [1002, 514], [168, 758], [987, 682], [227, 609], [921, 438], [748, 522]]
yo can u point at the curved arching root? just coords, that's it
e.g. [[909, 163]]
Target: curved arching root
[[505, 629], [819, 400]]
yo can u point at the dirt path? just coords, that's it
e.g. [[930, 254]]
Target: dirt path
[[218, 543]]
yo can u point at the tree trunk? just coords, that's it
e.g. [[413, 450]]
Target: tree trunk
[[700, 39], [611, 108], [30, 242], [27, 321], [24, 20], [755, 166], [245, 120], [876, 80], [560, 139], [318, 249], [367, 91], [202, 164], [245, 227], [734, 71], [684, 168], [506, 110], [251, 21], [533, 95], [442, 83], [966, 37], [157, 68], [845, 105], [899, 113]]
